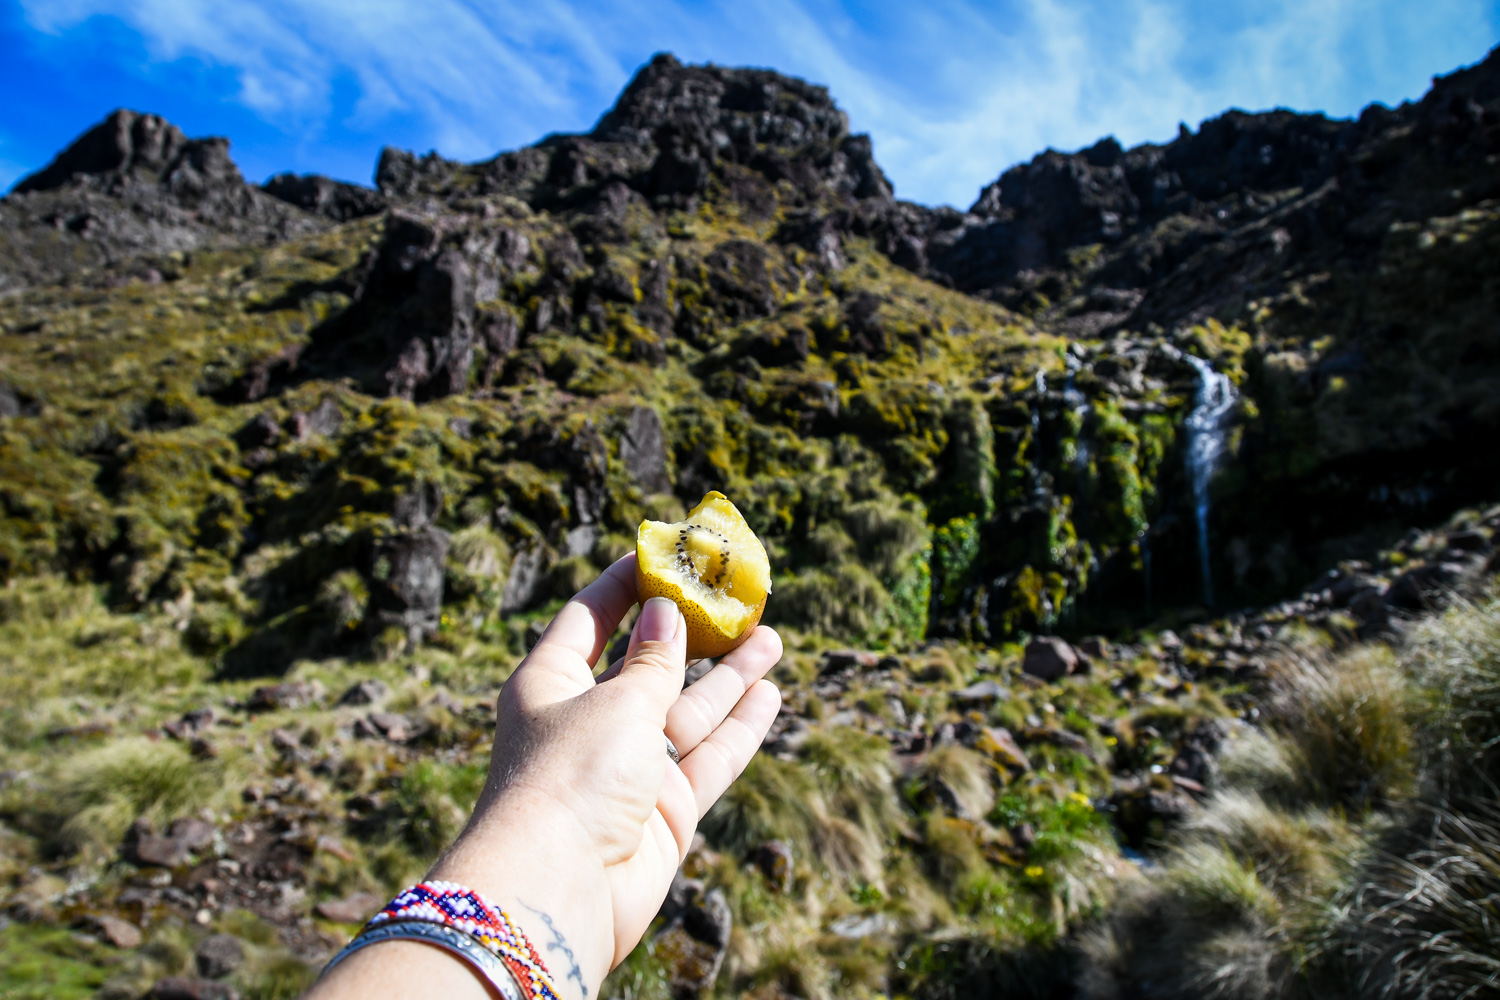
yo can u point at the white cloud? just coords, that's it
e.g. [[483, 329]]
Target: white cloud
[[953, 91]]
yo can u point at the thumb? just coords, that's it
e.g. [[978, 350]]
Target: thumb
[[657, 656]]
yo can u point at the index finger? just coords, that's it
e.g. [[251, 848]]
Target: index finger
[[585, 623]]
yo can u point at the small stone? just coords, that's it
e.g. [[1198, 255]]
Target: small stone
[[354, 909], [998, 742], [176, 988], [774, 859], [366, 692], [1049, 658], [394, 727], [218, 955], [680, 894], [838, 660], [120, 933], [1096, 647], [981, 693], [152, 851], [857, 926], [444, 700], [327, 844], [193, 834], [292, 694], [1470, 540]]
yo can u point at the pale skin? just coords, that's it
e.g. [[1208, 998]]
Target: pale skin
[[584, 818]]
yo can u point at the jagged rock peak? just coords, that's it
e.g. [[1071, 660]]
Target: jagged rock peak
[[129, 144], [747, 106], [673, 129]]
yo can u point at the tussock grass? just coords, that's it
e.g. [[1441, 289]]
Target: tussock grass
[[99, 793], [959, 779], [784, 800], [431, 802], [1353, 849], [1422, 923], [1347, 726]]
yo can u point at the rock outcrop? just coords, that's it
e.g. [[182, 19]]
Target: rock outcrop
[[133, 186]]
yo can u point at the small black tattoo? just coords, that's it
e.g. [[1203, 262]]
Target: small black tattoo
[[558, 944]]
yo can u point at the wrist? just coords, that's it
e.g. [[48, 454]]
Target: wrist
[[525, 859]]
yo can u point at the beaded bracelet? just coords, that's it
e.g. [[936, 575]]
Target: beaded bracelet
[[456, 908]]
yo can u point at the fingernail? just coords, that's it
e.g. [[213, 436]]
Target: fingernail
[[658, 620]]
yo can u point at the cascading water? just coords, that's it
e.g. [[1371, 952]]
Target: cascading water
[[1206, 427]]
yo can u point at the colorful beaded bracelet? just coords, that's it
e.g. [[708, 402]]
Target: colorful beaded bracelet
[[452, 906]]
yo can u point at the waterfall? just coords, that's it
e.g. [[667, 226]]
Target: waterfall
[[1205, 445], [1036, 411]]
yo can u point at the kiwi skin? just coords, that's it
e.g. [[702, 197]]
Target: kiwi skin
[[705, 638]]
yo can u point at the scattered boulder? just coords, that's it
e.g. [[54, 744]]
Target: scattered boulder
[[999, 744], [177, 988], [389, 726], [194, 834], [774, 860], [643, 450], [981, 693], [323, 420], [218, 955], [406, 576], [352, 909], [150, 850], [838, 661], [190, 724], [1049, 658], [120, 933], [692, 947], [366, 692], [1095, 647], [1421, 587], [288, 695]]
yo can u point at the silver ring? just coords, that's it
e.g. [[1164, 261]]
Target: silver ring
[[672, 749]]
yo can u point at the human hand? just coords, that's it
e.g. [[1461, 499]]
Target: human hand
[[584, 818]]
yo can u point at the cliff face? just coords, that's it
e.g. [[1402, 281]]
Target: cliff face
[[968, 423]]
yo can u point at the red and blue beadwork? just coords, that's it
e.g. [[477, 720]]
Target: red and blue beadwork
[[462, 909]]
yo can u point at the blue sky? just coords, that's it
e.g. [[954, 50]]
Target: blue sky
[[952, 92]]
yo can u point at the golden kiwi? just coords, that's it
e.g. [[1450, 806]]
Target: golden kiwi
[[712, 567]]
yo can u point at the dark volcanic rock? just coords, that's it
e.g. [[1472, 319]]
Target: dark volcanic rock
[[406, 581], [643, 450], [322, 196], [218, 955], [365, 692], [134, 184], [1049, 658], [692, 947]]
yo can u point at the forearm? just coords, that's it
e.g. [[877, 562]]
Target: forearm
[[511, 855]]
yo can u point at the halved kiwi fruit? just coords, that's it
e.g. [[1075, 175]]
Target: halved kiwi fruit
[[712, 567]]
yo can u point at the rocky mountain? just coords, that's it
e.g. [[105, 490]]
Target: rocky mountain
[[1048, 486]]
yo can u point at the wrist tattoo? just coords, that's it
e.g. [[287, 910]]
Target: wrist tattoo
[[560, 945]]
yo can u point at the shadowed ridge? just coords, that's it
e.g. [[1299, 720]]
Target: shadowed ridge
[[131, 145]]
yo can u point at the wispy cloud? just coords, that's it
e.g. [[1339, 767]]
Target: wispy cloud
[[953, 91]]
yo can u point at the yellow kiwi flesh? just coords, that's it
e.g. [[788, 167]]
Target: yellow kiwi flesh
[[713, 567]]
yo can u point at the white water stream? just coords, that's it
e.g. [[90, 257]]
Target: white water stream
[[1206, 427]]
